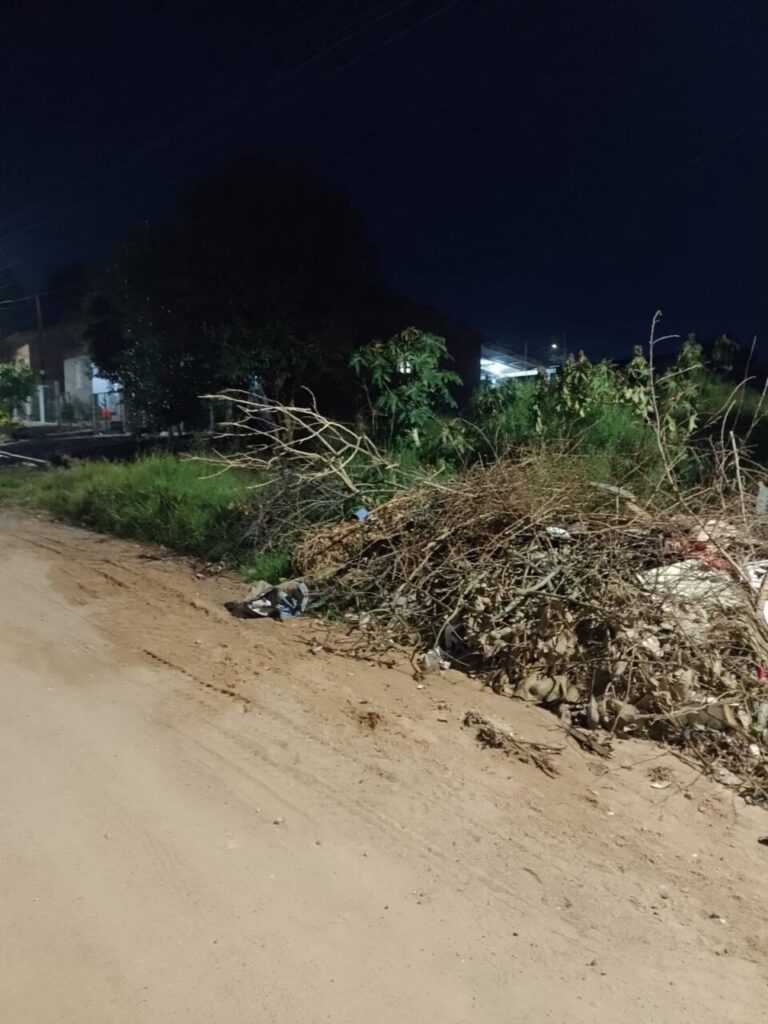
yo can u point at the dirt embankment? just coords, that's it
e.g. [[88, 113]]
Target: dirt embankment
[[201, 819]]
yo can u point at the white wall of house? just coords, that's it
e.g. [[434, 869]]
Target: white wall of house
[[77, 379]]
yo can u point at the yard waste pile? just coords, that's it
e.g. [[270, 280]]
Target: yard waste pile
[[642, 618]]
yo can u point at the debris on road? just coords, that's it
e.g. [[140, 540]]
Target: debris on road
[[433, 660], [267, 601], [495, 734], [589, 742], [626, 617], [371, 719]]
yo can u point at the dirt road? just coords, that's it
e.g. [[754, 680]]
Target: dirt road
[[201, 820]]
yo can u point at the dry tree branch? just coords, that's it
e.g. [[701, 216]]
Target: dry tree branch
[[661, 440], [283, 437], [728, 476], [526, 574]]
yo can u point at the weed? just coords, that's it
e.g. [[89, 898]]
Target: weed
[[174, 502], [266, 565]]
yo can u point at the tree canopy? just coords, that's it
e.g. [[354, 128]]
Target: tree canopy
[[10, 285], [266, 273]]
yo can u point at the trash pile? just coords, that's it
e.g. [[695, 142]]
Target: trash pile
[[636, 618], [269, 601]]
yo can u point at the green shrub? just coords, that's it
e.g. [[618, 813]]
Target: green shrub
[[406, 384], [619, 447], [17, 382], [267, 565], [182, 504], [502, 416]]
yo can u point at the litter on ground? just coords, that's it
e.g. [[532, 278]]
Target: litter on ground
[[267, 601], [626, 618]]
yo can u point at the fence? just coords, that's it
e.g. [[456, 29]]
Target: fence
[[101, 413]]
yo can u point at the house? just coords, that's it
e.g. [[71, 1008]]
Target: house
[[64, 371], [70, 392], [498, 364]]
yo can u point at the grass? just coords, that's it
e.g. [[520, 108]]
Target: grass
[[160, 499], [189, 508], [715, 396]]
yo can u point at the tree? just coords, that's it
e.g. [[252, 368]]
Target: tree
[[136, 344], [724, 353], [265, 273], [17, 382], [14, 315], [10, 285], [65, 289], [405, 384]]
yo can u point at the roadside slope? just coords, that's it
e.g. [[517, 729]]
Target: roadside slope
[[198, 822]]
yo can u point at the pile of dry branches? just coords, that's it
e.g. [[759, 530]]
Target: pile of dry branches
[[275, 438], [309, 469], [634, 617], [638, 618]]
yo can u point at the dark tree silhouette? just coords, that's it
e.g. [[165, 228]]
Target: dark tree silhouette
[[266, 273]]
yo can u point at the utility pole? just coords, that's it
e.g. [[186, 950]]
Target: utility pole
[[39, 312], [41, 356]]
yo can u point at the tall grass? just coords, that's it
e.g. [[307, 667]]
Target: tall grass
[[609, 439], [178, 503]]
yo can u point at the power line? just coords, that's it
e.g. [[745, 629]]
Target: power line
[[617, 202], [318, 16], [413, 26], [309, 55], [354, 60], [369, 53]]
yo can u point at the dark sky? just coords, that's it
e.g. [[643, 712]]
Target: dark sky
[[530, 168]]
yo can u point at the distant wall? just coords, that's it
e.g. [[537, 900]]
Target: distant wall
[[77, 379]]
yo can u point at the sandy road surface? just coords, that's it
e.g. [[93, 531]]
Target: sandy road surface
[[198, 824]]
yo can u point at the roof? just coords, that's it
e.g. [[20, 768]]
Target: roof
[[47, 349], [497, 363]]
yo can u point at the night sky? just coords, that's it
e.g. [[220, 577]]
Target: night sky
[[529, 168]]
